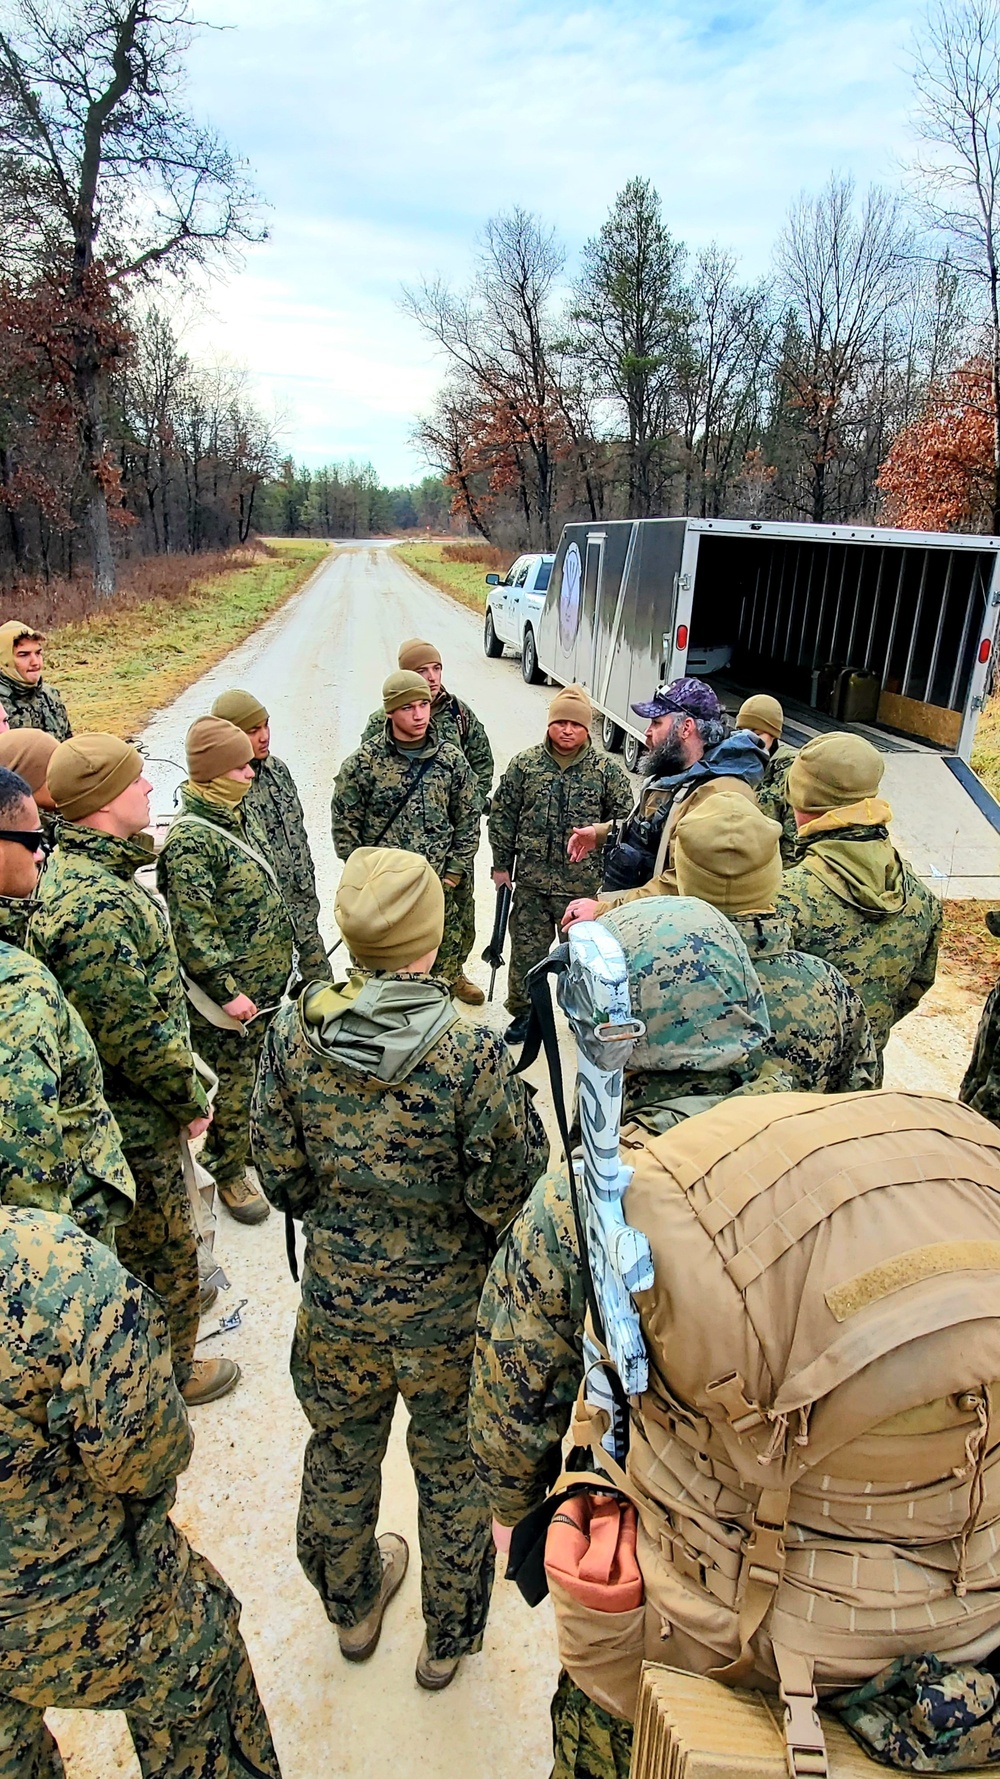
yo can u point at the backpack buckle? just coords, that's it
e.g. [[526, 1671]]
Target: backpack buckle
[[805, 1747], [742, 1414]]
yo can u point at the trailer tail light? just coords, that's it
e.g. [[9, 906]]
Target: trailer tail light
[[984, 651], [682, 636]]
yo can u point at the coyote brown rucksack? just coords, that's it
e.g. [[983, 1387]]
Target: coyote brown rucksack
[[816, 1462]]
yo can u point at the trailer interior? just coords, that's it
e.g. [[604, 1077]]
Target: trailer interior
[[875, 633]]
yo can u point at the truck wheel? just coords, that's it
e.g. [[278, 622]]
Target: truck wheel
[[631, 752], [492, 646], [612, 736], [529, 661]]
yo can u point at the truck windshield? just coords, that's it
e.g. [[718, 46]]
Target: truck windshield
[[542, 580]]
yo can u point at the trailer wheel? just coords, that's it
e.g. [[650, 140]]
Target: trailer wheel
[[612, 735], [632, 750], [529, 661], [492, 646]]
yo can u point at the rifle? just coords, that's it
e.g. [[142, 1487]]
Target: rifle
[[493, 955], [592, 990]]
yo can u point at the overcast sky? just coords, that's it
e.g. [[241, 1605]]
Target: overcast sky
[[383, 136]]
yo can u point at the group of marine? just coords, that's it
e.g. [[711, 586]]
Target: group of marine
[[778, 936]]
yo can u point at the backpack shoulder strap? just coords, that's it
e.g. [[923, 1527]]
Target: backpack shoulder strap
[[201, 821]]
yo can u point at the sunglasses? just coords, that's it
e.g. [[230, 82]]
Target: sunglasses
[[34, 839]]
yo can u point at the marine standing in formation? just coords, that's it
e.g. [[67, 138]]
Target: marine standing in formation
[[274, 818], [409, 788], [852, 900], [233, 935], [456, 722], [107, 943], [547, 794], [27, 701], [401, 1136]]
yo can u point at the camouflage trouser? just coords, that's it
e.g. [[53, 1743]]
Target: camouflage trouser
[[158, 1244], [465, 900], [310, 951], [349, 1362], [234, 1058], [453, 950], [534, 923], [179, 1671], [587, 1742]]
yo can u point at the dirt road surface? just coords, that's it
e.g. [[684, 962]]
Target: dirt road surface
[[318, 666]]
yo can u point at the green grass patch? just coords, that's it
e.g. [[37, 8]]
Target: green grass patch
[[464, 581], [986, 750], [115, 669]]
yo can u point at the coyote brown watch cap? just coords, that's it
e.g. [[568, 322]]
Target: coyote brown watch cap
[[241, 708], [761, 712], [832, 772], [404, 688], [571, 705], [90, 771], [728, 852], [214, 747], [415, 654], [28, 751], [389, 907]]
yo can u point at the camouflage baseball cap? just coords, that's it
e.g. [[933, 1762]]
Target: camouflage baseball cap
[[686, 697], [691, 981]]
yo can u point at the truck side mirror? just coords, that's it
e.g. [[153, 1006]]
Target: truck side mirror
[[493, 580]]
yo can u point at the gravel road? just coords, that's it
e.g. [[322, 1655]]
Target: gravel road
[[318, 666]]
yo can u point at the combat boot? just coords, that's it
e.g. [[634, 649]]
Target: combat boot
[[517, 1030], [243, 1199], [210, 1379], [360, 1641], [435, 1675], [469, 992]]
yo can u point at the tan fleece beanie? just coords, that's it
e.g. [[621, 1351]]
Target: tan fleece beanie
[[10, 633], [389, 907], [241, 708], [832, 772], [571, 705], [728, 852], [28, 751], [89, 772], [416, 654], [215, 747], [761, 712], [403, 688]]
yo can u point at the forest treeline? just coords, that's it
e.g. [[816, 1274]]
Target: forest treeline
[[858, 380]]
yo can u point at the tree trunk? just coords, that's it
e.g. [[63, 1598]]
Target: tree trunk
[[995, 342], [96, 504]]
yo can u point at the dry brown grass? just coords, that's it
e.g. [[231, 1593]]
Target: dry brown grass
[[969, 954], [47, 605], [479, 551]]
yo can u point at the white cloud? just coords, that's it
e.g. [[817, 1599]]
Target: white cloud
[[383, 138]]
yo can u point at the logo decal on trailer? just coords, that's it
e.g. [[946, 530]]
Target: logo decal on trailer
[[569, 599]]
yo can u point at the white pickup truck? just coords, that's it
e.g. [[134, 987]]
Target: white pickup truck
[[513, 608]]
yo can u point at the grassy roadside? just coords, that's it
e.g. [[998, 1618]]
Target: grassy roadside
[[114, 670], [464, 581]]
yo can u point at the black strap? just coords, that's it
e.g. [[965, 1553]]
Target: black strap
[[293, 1259], [461, 717], [411, 787]]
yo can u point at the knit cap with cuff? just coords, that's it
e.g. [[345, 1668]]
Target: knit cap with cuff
[[29, 753], [89, 771], [10, 633], [728, 852], [833, 772], [389, 907], [215, 747], [404, 688], [415, 654], [571, 705], [241, 708], [761, 712]]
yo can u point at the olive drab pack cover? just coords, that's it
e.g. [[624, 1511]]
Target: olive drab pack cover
[[816, 1460]]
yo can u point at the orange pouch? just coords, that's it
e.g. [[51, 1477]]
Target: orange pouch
[[590, 1552]]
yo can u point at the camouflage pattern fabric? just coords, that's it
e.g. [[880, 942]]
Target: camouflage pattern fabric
[[926, 1716], [276, 826], [772, 797], [536, 806], [464, 926], [34, 707], [230, 925], [819, 1028], [440, 820], [980, 1087], [456, 723], [587, 1742], [103, 1604], [888, 955], [107, 941], [399, 1188], [233, 1057], [534, 923], [60, 1148]]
